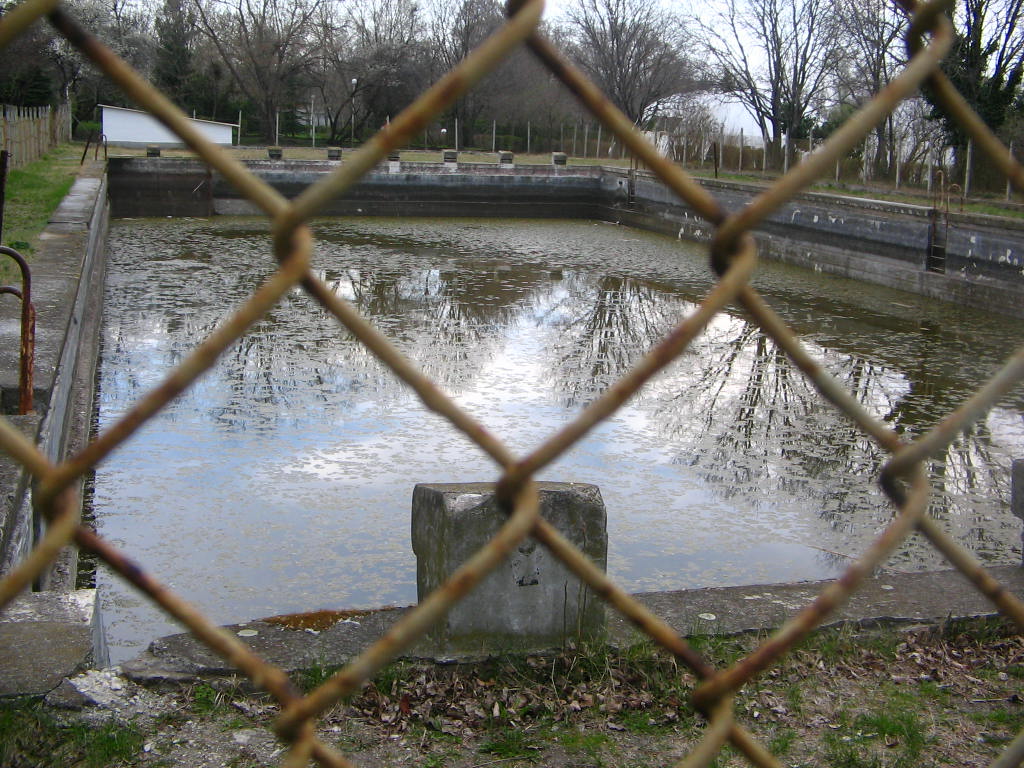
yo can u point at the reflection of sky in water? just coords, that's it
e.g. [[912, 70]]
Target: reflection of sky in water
[[282, 480]]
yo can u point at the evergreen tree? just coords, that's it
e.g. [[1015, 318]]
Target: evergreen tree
[[173, 68]]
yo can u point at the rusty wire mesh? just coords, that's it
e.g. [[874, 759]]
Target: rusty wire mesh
[[733, 257]]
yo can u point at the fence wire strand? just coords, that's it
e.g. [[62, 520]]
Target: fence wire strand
[[733, 257]]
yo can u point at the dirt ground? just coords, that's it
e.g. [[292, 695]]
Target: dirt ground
[[947, 696]]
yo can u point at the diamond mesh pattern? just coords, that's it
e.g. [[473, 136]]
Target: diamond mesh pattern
[[733, 256]]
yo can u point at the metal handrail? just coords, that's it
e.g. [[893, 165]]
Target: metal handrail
[[28, 330], [100, 140]]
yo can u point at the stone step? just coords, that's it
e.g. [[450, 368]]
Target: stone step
[[47, 636]]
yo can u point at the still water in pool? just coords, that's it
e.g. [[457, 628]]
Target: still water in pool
[[282, 480]]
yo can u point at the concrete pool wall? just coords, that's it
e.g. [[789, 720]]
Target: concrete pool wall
[[981, 258]]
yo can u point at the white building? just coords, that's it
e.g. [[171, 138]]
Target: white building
[[134, 128]]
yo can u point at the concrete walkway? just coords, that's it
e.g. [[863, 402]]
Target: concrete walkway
[[920, 598]]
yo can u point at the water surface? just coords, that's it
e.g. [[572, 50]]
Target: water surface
[[282, 480]]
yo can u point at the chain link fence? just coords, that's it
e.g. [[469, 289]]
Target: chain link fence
[[733, 256]]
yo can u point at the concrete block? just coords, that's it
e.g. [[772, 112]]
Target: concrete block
[[275, 153], [506, 160], [47, 636], [451, 159], [394, 163], [152, 150], [559, 159], [334, 153], [531, 601]]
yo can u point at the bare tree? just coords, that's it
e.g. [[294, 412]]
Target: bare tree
[[916, 136], [388, 38], [777, 57], [124, 26], [267, 47], [456, 28], [873, 36], [333, 68], [688, 128], [633, 50]]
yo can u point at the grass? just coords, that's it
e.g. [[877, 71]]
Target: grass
[[512, 745], [205, 699], [32, 195], [312, 678], [898, 728], [31, 736], [782, 741], [589, 743]]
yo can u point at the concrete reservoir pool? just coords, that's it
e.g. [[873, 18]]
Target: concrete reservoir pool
[[281, 482]]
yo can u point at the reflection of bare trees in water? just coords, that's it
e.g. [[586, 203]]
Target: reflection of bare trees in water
[[607, 325], [736, 408], [450, 321], [746, 416]]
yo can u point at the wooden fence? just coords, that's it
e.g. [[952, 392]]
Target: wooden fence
[[28, 133]]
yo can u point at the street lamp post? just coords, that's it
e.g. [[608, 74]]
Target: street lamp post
[[444, 140], [352, 108]]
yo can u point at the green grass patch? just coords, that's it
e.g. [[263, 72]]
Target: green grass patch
[[588, 742], [782, 741], [1009, 719], [899, 728], [513, 744], [1015, 671], [794, 695], [982, 630], [843, 752], [722, 650], [887, 735], [310, 679], [31, 196], [642, 721], [437, 759], [31, 736], [932, 691], [205, 699]]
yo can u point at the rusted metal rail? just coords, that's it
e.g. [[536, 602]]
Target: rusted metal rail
[[96, 141], [27, 352]]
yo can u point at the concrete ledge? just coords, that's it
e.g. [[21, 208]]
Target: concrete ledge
[[47, 636], [67, 289], [897, 598]]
